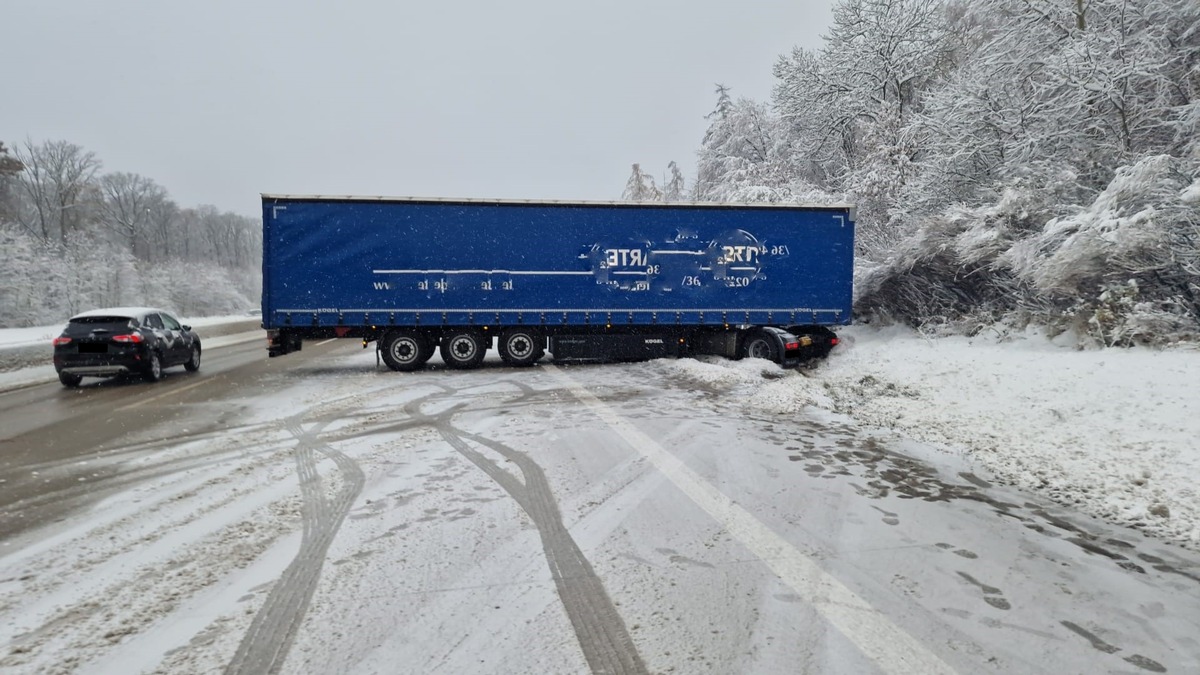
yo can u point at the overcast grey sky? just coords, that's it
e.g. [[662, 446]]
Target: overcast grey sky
[[223, 99]]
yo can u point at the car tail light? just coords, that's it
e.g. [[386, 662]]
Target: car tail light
[[833, 341], [61, 341], [132, 337]]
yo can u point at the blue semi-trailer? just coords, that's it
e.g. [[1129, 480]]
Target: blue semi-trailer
[[580, 280]]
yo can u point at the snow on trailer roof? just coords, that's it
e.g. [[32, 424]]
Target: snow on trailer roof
[[556, 202]]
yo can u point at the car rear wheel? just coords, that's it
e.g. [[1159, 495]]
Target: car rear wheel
[[153, 372], [69, 380], [193, 364]]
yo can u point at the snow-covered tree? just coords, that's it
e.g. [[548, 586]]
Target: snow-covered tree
[[55, 183], [640, 187], [73, 241], [1013, 160], [124, 209], [9, 168], [847, 105], [674, 190], [738, 149]]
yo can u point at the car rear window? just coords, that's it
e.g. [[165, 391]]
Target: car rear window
[[102, 319], [87, 324]]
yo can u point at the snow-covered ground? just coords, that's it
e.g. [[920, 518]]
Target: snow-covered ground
[[325, 515], [1114, 432]]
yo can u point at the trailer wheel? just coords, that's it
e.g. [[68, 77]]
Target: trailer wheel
[[428, 347], [463, 349], [759, 345], [521, 347], [402, 350]]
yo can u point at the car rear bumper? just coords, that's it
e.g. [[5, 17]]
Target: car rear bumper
[[99, 365], [95, 371]]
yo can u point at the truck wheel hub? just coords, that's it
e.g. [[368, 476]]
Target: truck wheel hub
[[463, 348], [520, 346]]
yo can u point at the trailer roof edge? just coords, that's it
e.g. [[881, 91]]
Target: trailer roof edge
[[552, 202]]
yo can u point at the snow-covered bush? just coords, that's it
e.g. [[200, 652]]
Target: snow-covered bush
[[945, 272], [1124, 269], [1120, 318]]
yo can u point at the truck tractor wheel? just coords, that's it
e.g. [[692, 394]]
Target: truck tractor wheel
[[463, 349], [521, 347], [759, 345], [402, 350]]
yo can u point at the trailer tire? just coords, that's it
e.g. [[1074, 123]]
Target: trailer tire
[[521, 347], [463, 349], [428, 347], [402, 350], [759, 345]]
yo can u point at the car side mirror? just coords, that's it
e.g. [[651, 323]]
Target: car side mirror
[[187, 327]]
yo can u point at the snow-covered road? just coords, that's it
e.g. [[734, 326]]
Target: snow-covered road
[[674, 516]]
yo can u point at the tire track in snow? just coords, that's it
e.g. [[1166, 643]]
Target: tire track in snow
[[273, 630], [885, 643], [605, 641]]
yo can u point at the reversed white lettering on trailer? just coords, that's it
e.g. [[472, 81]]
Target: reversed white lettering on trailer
[[625, 257], [731, 260], [741, 254]]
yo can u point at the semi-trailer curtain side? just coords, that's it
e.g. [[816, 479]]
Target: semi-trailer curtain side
[[577, 280]]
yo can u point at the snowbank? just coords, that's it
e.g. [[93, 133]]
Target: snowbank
[[1113, 432]]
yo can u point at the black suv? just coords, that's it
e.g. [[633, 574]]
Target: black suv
[[108, 342]]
